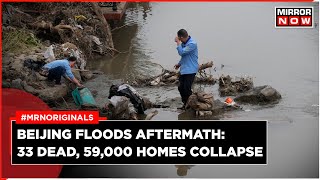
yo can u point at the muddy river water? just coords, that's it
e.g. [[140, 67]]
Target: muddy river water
[[242, 37]]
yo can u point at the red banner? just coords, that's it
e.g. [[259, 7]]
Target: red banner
[[57, 117]]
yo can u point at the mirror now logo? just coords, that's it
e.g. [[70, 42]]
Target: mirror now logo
[[294, 17]]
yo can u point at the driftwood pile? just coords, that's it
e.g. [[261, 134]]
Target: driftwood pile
[[229, 87], [168, 77], [77, 23]]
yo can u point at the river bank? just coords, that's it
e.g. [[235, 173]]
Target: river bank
[[47, 39], [37, 33], [286, 59]]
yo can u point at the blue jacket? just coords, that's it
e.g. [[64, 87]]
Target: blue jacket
[[64, 63], [189, 57]]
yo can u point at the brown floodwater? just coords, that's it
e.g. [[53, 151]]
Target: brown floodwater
[[242, 37]]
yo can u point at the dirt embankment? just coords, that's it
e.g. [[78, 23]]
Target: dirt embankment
[[37, 33]]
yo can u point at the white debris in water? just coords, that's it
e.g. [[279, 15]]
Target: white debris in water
[[314, 105], [155, 82]]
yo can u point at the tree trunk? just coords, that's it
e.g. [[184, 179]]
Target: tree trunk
[[105, 24]]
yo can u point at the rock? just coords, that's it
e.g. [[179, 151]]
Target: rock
[[68, 46], [37, 85], [182, 170], [31, 52], [260, 95], [86, 75], [11, 54], [40, 51], [147, 103], [17, 64], [50, 94], [76, 74], [33, 57], [37, 50], [29, 89], [46, 43], [21, 57], [39, 77], [220, 107], [120, 107], [6, 60], [17, 83], [6, 84]]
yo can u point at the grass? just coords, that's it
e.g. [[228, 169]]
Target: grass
[[18, 40]]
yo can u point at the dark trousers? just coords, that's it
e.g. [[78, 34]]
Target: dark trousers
[[185, 84], [56, 73]]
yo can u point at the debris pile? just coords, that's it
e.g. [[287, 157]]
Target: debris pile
[[124, 102], [120, 107], [37, 33], [203, 104], [58, 23], [200, 101], [228, 87], [22, 72], [168, 77]]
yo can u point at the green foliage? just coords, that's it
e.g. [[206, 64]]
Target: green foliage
[[18, 40]]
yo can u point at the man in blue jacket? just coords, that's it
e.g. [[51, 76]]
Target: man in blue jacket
[[55, 69], [188, 64]]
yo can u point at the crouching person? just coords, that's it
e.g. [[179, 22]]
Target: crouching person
[[55, 69]]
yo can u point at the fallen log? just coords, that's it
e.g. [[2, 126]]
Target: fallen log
[[206, 65], [106, 27], [53, 29], [169, 74], [172, 77], [60, 27]]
